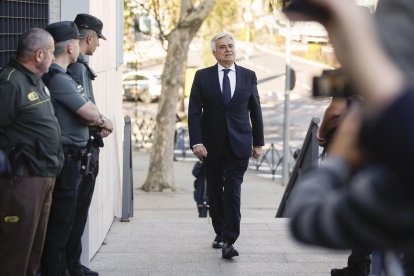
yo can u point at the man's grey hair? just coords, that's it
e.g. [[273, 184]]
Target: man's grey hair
[[32, 40], [213, 44], [60, 47], [85, 32]]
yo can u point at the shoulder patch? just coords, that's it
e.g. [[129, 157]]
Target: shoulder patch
[[32, 96], [79, 87]]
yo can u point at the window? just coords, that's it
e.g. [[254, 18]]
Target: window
[[16, 16]]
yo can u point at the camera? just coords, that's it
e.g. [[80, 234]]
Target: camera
[[305, 7], [332, 83]]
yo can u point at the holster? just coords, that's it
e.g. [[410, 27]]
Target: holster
[[73, 152], [5, 168], [78, 153], [86, 163], [13, 163], [95, 137]]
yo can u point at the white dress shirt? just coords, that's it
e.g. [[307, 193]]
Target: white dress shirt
[[231, 75]]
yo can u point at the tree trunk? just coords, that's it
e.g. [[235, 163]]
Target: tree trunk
[[160, 173], [181, 97]]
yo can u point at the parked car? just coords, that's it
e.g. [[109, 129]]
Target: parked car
[[144, 86]]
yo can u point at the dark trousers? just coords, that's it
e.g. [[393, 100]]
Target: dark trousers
[[360, 260], [85, 192], [224, 178], [24, 211], [62, 214]]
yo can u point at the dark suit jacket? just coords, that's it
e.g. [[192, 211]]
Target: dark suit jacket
[[210, 121]]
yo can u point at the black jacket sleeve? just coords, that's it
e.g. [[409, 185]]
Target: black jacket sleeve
[[373, 209]]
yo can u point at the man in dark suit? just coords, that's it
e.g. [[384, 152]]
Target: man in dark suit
[[223, 101]]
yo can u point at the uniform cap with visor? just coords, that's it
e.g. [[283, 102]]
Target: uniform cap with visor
[[63, 30], [87, 21]]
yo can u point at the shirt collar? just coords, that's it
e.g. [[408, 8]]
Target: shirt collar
[[57, 67], [82, 59], [220, 68], [34, 78]]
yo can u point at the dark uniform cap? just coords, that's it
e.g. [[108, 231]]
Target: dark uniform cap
[[90, 22], [63, 30]]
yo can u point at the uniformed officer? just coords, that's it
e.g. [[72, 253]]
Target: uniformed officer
[[74, 113], [91, 28], [30, 136]]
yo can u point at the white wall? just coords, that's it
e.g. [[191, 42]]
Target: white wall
[[106, 203], [54, 11]]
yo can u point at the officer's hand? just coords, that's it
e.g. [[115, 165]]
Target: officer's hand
[[108, 127], [200, 151], [104, 133], [257, 151]]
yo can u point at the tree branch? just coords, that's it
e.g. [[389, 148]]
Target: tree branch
[[191, 14], [162, 36], [186, 8]]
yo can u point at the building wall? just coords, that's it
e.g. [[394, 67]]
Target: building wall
[[106, 203], [54, 11]]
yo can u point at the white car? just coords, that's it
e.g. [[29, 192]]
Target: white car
[[141, 85]]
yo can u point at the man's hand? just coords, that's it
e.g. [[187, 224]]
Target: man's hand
[[345, 143], [257, 151], [104, 133], [321, 141], [107, 128], [200, 151]]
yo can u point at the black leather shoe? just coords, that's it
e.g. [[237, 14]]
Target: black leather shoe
[[74, 271], [218, 242], [338, 272], [348, 271], [228, 251], [88, 272]]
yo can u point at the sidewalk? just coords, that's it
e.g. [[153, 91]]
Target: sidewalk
[[166, 237]]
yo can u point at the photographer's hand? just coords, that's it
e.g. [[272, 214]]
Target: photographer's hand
[[321, 140], [352, 33], [345, 143]]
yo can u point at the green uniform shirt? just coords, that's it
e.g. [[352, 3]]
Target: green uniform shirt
[[28, 120], [67, 97]]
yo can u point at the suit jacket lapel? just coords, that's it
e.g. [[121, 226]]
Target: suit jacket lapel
[[216, 90], [238, 81]]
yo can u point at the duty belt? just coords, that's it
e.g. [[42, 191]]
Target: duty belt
[[74, 151]]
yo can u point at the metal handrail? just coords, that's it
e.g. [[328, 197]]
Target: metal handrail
[[308, 157]]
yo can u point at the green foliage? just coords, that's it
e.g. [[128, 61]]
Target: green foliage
[[171, 14], [130, 7], [164, 12], [225, 14]]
